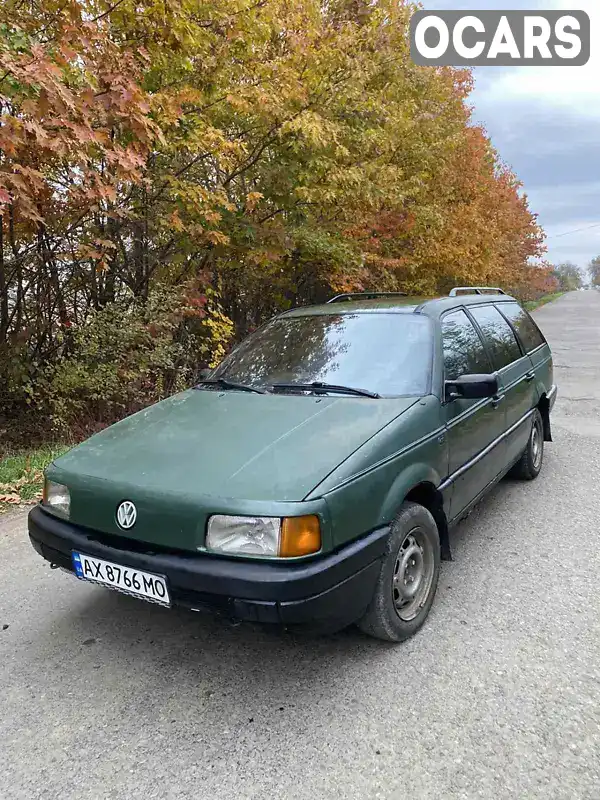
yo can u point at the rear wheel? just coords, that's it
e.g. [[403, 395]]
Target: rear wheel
[[529, 465], [408, 577]]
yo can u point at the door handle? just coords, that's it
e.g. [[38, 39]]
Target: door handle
[[529, 376], [497, 399]]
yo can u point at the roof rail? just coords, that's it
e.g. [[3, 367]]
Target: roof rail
[[364, 296], [475, 290]]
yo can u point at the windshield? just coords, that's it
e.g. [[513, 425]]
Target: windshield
[[389, 354]]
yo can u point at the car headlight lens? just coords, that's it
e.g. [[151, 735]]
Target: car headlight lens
[[56, 498], [263, 536]]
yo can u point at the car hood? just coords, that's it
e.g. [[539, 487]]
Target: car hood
[[232, 444]]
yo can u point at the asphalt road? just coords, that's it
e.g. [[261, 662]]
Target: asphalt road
[[103, 696]]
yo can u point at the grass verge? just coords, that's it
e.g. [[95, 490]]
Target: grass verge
[[22, 475], [531, 305]]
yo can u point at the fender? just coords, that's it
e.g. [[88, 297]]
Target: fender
[[407, 480]]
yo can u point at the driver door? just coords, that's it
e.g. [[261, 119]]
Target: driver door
[[471, 425]]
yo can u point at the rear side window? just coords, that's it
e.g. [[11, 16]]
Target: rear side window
[[498, 335], [464, 353], [527, 331]]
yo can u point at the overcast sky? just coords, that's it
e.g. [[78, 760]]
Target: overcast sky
[[544, 121]]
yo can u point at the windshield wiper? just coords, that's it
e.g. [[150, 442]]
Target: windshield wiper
[[225, 384], [317, 386]]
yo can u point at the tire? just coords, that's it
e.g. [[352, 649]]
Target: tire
[[413, 551], [528, 467]]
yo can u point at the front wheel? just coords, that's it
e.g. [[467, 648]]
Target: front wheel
[[529, 465], [408, 577]]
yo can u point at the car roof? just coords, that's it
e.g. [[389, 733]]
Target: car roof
[[430, 306], [400, 305]]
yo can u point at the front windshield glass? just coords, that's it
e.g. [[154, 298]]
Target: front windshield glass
[[386, 353]]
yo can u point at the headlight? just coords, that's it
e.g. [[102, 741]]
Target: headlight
[[263, 536], [56, 498]]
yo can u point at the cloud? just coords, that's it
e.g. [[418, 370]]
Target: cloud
[[580, 248], [544, 123], [569, 89]]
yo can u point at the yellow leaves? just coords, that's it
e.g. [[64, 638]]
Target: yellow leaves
[[313, 128], [220, 330], [192, 207], [219, 198], [252, 199], [175, 221], [239, 103], [212, 216], [217, 238], [263, 99]]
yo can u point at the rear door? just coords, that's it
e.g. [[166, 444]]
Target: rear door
[[471, 425], [518, 392]]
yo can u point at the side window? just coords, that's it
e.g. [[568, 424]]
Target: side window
[[464, 352], [498, 334], [527, 331]]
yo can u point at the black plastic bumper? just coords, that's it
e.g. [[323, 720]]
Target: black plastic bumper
[[331, 591]]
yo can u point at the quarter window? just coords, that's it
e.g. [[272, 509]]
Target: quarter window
[[464, 353], [498, 335], [527, 331]]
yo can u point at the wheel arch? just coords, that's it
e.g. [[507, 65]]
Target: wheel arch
[[419, 485], [430, 497]]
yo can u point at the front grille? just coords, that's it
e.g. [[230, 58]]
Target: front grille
[[135, 545]]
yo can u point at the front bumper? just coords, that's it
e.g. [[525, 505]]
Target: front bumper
[[330, 591]]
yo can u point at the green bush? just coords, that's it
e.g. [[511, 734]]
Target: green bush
[[127, 356]]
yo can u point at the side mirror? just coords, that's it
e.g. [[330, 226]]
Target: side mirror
[[471, 387]]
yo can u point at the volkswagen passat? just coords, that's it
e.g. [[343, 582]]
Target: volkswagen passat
[[313, 477]]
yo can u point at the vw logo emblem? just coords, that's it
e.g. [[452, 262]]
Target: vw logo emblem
[[126, 514]]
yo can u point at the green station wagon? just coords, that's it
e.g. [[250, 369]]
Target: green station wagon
[[311, 479]]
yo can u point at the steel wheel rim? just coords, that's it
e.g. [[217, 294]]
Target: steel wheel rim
[[536, 445], [413, 574]]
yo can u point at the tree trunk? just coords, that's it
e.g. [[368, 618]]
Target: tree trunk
[[3, 288], [19, 313]]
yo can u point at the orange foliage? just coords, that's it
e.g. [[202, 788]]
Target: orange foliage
[[472, 226], [75, 120]]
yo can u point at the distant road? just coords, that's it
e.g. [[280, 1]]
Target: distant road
[[498, 697]]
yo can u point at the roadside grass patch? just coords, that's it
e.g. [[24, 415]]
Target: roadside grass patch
[[22, 475], [531, 305]]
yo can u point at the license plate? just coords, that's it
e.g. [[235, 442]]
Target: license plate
[[124, 579]]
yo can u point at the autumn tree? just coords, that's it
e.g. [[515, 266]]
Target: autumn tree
[[534, 281], [190, 168], [594, 271], [568, 276]]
